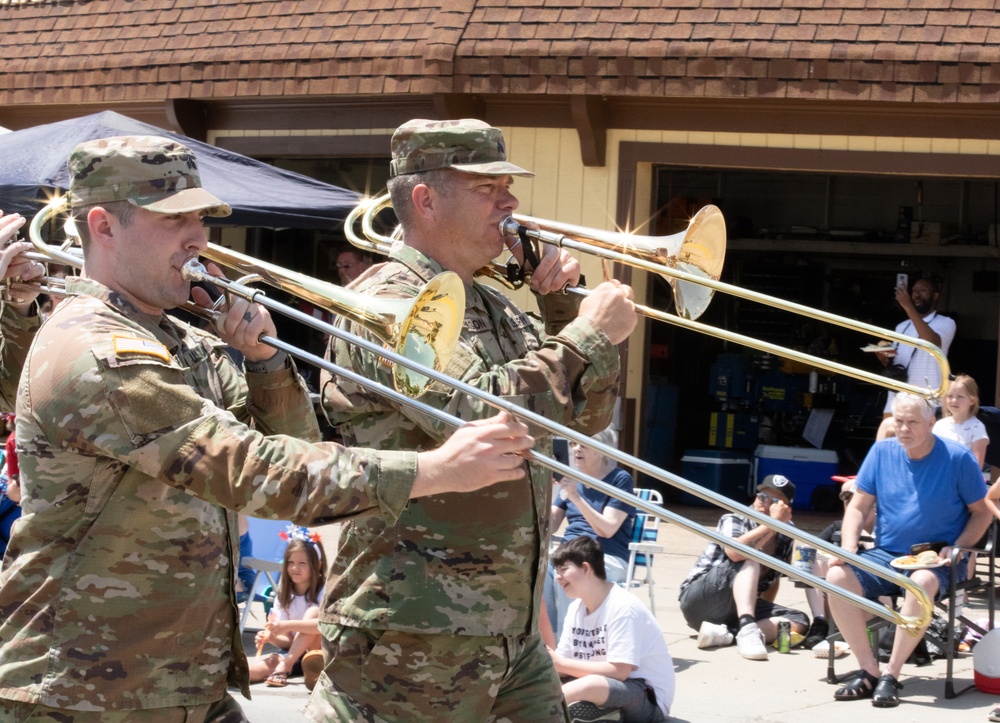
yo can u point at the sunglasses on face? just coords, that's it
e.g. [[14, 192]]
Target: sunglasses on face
[[767, 499], [846, 496]]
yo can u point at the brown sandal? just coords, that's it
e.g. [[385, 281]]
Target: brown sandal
[[277, 680]]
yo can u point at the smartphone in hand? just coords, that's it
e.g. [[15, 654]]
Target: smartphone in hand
[[560, 452]]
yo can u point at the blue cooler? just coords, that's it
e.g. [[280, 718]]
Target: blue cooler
[[810, 470], [721, 471]]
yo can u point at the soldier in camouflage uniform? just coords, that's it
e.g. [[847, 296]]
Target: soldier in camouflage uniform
[[117, 594], [435, 616], [19, 319]]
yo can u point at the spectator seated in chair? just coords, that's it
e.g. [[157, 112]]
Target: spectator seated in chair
[[927, 489], [820, 628], [592, 513], [728, 597], [612, 657]]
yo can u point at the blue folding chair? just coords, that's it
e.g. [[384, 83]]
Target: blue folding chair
[[268, 555], [644, 546]]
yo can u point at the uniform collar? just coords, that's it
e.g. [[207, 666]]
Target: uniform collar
[[423, 266], [88, 287]]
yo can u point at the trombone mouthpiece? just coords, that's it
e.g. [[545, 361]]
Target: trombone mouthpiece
[[194, 270], [509, 226]]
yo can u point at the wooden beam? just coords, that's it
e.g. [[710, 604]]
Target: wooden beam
[[590, 119]]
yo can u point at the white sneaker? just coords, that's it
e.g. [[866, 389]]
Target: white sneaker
[[750, 642], [714, 635]]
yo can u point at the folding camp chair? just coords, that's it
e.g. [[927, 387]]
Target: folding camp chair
[[644, 545], [947, 606]]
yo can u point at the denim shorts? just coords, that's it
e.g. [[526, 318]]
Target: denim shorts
[[873, 587]]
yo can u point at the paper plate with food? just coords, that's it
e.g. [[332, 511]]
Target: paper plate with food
[[924, 561], [887, 347], [822, 649]]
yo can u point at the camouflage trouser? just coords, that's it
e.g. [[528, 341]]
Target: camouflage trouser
[[226, 710], [389, 676]]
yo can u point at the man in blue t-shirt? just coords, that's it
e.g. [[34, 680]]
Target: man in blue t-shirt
[[927, 489], [592, 513]]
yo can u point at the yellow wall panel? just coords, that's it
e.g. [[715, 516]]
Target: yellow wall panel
[[569, 193], [917, 145], [780, 140], [944, 145], [833, 143], [861, 143], [973, 145], [806, 142], [888, 144], [701, 138]]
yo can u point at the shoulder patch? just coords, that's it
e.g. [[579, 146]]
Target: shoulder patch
[[126, 345]]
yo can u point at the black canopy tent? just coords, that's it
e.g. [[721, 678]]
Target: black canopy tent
[[33, 164]]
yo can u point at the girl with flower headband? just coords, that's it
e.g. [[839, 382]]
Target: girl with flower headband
[[293, 624]]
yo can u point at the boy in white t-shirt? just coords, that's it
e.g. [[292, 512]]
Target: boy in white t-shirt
[[611, 655]]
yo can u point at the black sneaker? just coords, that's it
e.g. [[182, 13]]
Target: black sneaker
[[818, 632], [583, 711]]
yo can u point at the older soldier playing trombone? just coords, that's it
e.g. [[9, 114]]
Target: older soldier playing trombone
[[444, 602]]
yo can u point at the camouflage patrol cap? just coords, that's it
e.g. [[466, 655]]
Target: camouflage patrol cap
[[467, 145], [150, 172]]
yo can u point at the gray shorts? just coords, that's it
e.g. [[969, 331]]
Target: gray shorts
[[635, 699], [710, 598]]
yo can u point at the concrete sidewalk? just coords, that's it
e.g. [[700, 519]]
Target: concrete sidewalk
[[720, 686]]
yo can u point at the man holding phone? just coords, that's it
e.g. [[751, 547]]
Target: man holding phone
[[729, 597], [922, 322], [927, 489]]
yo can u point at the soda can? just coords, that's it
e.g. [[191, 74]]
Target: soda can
[[784, 636], [804, 558]]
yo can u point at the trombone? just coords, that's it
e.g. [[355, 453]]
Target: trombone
[[425, 328], [688, 260], [196, 272]]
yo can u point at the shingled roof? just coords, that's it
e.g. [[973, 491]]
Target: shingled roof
[[120, 51]]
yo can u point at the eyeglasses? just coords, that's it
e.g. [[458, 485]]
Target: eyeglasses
[[846, 496], [767, 499]]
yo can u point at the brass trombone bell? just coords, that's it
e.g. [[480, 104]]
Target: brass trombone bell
[[699, 251], [424, 328]]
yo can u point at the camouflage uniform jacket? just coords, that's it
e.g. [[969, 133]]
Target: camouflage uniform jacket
[[118, 587], [16, 333], [466, 564]]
